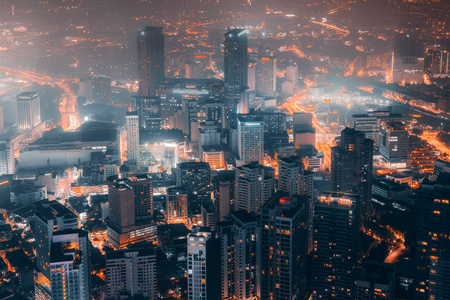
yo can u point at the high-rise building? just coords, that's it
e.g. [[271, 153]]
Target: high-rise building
[[70, 265], [131, 210], [352, 167], [28, 110], [132, 271], [202, 262], [266, 76], [304, 132], [177, 206], [335, 251], [7, 158], [95, 89], [370, 123], [283, 247], [239, 236], [295, 180], [235, 70], [437, 60], [433, 243], [132, 129], [209, 133], [376, 281], [292, 74], [150, 60], [49, 217], [223, 193], [394, 145], [254, 186], [250, 139], [149, 111]]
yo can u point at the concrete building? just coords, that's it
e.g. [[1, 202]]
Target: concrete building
[[335, 252], [176, 206], [266, 76], [254, 186], [224, 193], [132, 271], [202, 262], [70, 265], [376, 281], [283, 247], [394, 145], [28, 193], [28, 110], [150, 60], [250, 139], [132, 129]]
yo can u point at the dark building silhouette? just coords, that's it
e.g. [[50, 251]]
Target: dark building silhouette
[[352, 167], [150, 60]]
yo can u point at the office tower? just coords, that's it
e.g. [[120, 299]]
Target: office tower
[[132, 128], [194, 176], [132, 271], [5, 185], [295, 180], [7, 159], [250, 139], [70, 265], [251, 75], [394, 145], [149, 111], [214, 111], [239, 235], [28, 110], [370, 123], [304, 132], [209, 133], [202, 262], [176, 206], [131, 210], [283, 247], [433, 244], [376, 281], [235, 70], [254, 185], [292, 74], [335, 252], [49, 217], [150, 60], [223, 193], [266, 76], [274, 122], [352, 167]]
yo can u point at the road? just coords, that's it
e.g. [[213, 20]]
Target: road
[[431, 137], [395, 254], [68, 103]]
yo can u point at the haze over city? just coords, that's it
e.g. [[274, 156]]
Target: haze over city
[[225, 149]]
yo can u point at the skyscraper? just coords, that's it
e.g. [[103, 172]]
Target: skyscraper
[[150, 60], [295, 180], [239, 236], [132, 128], [376, 281], [283, 247], [28, 110], [202, 262], [131, 210], [394, 145], [235, 70], [335, 252], [49, 216], [132, 271], [352, 167], [250, 139], [254, 185], [223, 193], [433, 243], [70, 265], [266, 76]]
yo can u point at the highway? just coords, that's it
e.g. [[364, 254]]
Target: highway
[[68, 103]]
